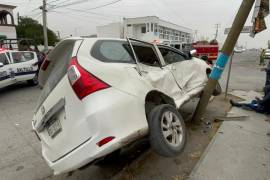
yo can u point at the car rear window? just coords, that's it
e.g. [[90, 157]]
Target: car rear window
[[112, 51], [60, 57], [19, 57]]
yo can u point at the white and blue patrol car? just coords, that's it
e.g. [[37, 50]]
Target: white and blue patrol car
[[17, 66]]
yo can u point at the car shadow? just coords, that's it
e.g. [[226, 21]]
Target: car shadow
[[14, 88]]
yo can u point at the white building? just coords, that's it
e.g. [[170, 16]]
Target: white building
[[149, 28], [113, 30], [7, 24]]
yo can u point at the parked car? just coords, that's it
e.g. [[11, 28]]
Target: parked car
[[267, 54], [99, 95], [17, 66]]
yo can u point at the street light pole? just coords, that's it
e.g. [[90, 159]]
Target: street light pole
[[44, 17], [226, 51]]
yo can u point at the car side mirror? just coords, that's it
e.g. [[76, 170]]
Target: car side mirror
[[193, 52], [1, 64]]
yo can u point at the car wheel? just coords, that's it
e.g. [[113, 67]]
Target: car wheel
[[218, 90], [167, 130], [34, 81]]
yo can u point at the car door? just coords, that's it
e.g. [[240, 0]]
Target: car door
[[24, 64], [5, 77], [151, 69], [188, 73]]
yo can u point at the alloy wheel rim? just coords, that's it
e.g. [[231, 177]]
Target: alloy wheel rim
[[172, 129]]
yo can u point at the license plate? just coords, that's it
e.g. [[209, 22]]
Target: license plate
[[54, 128]]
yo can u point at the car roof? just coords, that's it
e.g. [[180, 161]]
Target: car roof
[[89, 38]]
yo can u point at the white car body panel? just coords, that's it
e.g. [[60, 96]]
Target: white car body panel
[[117, 111], [5, 79]]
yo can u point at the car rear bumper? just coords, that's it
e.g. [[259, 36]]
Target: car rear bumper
[[80, 156], [88, 152], [117, 114]]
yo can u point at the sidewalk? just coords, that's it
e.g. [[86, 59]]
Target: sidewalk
[[241, 148]]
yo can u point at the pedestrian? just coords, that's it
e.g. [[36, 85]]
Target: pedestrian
[[262, 58], [258, 105], [267, 70]]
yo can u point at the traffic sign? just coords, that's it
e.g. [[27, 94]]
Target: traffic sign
[[261, 10], [246, 29]]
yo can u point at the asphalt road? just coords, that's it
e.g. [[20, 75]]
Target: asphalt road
[[20, 152], [245, 72]]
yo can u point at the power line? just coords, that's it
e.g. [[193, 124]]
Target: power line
[[89, 12], [61, 2], [75, 17], [72, 3], [104, 5], [53, 1]]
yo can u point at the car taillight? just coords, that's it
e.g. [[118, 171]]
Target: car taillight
[[105, 141], [83, 82], [45, 65]]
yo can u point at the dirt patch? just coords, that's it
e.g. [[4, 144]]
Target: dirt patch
[[152, 166]]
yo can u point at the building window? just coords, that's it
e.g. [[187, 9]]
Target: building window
[[143, 29], [147, 27], [6, 18], [128, 25], [156, 27]]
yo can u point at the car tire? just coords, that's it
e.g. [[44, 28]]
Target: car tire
[[34, 81], [218, 90], [167, 130]]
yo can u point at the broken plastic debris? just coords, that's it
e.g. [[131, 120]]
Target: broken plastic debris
[[195, 155]]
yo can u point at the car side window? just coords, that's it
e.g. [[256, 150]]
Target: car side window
[[3, 58], [111, 51], [146, 55], [171, 56], [19, 57]]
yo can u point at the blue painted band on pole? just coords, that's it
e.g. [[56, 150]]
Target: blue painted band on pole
[[219, 66]]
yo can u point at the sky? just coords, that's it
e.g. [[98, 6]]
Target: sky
[[83, 17]]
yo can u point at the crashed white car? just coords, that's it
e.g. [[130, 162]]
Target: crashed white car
[[99, 95], [17, 66]]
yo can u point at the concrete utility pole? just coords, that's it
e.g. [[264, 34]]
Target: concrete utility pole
[[226, 51], [195, 36], [58, 34], [18, 18], [44, 17], [216, 34]]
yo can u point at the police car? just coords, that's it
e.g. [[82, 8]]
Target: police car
[[17, 66]]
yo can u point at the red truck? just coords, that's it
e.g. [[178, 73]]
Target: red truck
[[205, 50]]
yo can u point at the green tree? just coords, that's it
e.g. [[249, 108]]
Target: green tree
[[30, 28]]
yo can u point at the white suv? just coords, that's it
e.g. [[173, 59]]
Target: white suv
[[99, 95], [17, 66]]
